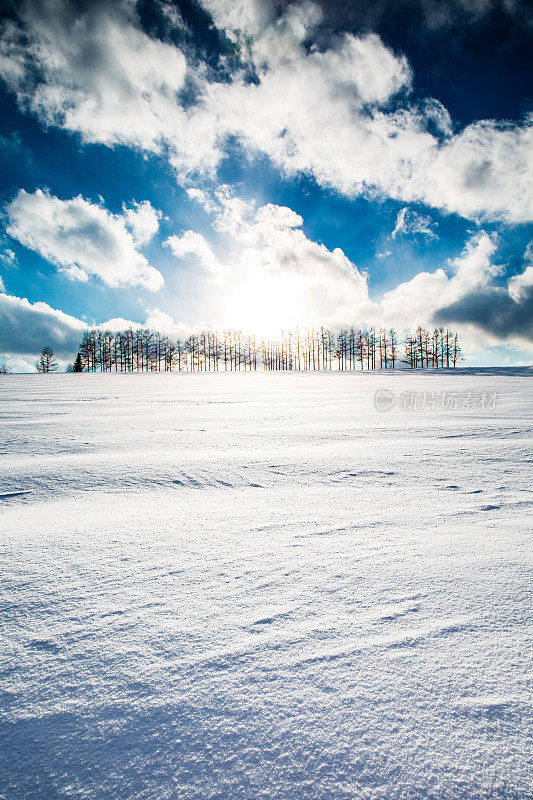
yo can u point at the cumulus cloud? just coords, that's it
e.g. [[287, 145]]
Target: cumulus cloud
[[465, 295], [234, 16], [505, 313], [26, 327], [200, 197], [142, 220], [342, 129], [91, 69], [99, 73], [83, 239], [520, 285], [159, 320], [421, 297], [278, 217], [493, 311], [272, 275], [342, 112]]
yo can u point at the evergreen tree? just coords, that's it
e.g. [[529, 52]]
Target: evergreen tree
[[78, 364]]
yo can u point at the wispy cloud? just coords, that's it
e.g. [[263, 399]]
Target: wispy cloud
[[410, 223], [8, 258]]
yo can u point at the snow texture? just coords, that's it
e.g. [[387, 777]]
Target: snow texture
[[242, 587]]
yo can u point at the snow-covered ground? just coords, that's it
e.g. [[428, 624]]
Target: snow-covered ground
[[260, 586]]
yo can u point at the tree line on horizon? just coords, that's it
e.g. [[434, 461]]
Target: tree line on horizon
[[145, 350]]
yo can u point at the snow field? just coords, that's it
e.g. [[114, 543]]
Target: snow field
[[258, 586]]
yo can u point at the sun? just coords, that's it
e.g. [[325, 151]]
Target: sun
[[267, 303]]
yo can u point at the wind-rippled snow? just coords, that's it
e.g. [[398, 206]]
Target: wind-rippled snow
[[258, 586]]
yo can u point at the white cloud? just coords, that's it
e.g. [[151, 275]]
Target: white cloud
[[92, 70], [201, 198], [331, 124], [233, 215], [272, 275], [8, 258], [520, 285], [341, 114], [419, 298], [192, 243], [99, 73], [142, 220], [26, 327], [117, 324], [467, 297], [278, 217], [437, 115], [275, 277], [236, 16], [159, 320], [410, 223], [84, 239]]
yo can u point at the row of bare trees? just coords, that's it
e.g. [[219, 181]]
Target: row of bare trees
[[144, 350], [439, 348]]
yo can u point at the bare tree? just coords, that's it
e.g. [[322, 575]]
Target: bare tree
[[455, 351], [145, 350], [393, 341], [46, 361]]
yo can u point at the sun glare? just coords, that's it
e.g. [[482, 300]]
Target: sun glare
[[266, 304]]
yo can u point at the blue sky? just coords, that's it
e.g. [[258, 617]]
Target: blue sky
[[259, 164]]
